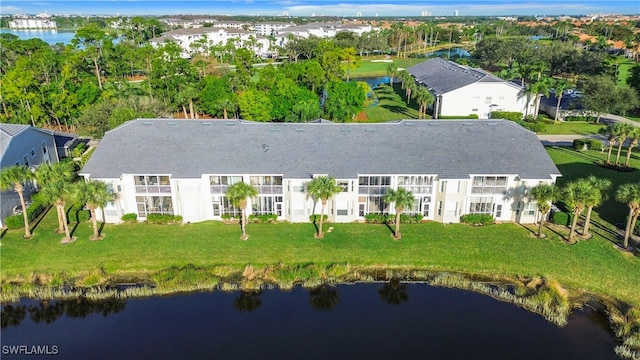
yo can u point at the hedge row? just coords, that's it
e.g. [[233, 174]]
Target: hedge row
[[164, 219], [507, 115], [391, 218], [477, 219], [130, 218], [263, 219]]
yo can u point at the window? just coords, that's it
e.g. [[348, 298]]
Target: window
[[343, 184], [481, 205], [416, 184], [219, 184], [154, 205], [487, 100], [267, 184], [152, 184], [439, 208], [25, 159], [33, 153], [342, 212], [267, 205], [489, 185], [530, 209]]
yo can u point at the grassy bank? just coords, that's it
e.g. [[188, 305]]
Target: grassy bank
[[499, 250], [390, 106]]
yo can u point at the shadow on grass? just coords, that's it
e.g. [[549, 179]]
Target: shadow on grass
[[3, 232], [39, 218]]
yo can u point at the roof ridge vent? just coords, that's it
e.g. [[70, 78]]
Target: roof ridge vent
[[299, 129], [206, 123], [230, 123], [147, 123], [172, 123], [409, 124]]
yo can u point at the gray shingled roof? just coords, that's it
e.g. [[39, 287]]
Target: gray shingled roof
[[190, 148], [443, 76]]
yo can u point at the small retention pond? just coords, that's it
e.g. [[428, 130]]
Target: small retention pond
[[363, 321]]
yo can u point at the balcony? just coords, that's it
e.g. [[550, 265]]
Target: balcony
[[153, 189]]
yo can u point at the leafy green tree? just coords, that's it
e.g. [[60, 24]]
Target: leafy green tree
[[543, 194], [577, 194], [629, 194], [94, 194], [601, 187], [322, 188], [402, 199], [305, 110], [344, 100], [602, 96], [238, 194], [255, 105], [14, 177], [91, 40]]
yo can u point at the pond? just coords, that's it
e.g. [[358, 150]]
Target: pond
[[454, 52], [51, 37], [363, 321], [374, 81]]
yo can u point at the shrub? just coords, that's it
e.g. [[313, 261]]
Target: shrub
[[477, 219], [263, 219], [316, 218], [456, 117], [537, 127], [130, 218], [580, 118], [79, 149], [80, 215], [507, 115], [33, 211], [587, 144], [374, 218], [561, 218], [164, 219]]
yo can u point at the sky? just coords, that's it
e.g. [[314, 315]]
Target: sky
[[347, 8]]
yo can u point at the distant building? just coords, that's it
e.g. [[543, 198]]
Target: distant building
[[270, 28], [462, 90], [32, 23], [425, 13]]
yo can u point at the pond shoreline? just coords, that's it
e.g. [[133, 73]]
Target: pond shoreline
[[537, 295]]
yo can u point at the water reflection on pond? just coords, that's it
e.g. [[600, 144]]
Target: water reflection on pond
[[372, 321]]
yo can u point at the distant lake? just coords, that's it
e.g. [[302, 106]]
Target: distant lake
[[454, 52], [51, 37], [364, 321]]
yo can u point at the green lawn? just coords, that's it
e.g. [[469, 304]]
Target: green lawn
[[372, 68], [572, 128], [391, 106], [576, 164]]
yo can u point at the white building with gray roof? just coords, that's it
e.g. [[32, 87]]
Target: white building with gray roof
[[184, 167], [461, 90]]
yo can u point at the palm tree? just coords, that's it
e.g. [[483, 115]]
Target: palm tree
[[610, 132], [238, 194], [538, 89], [577, 194], [424, 97], [559, 88], [630, 194], [61, 171], [94, 194], [392, 71], [622, 131], [14, 177], [543, 194], [323, 188], [57, 193], [601, 186], [402, 198], [634, 136]]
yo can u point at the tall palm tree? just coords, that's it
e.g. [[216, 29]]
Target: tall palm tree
[[538, 89], [61, 171], [610, 132], [630, 194], [402, 199], [322, 188], [238, 194], [424, 97], [58, 192], [634, 136], [543, 194], [622, 131], [600, 186], [94, 194], [392, 71], [577, 194], [14, 177], [559, 87]]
